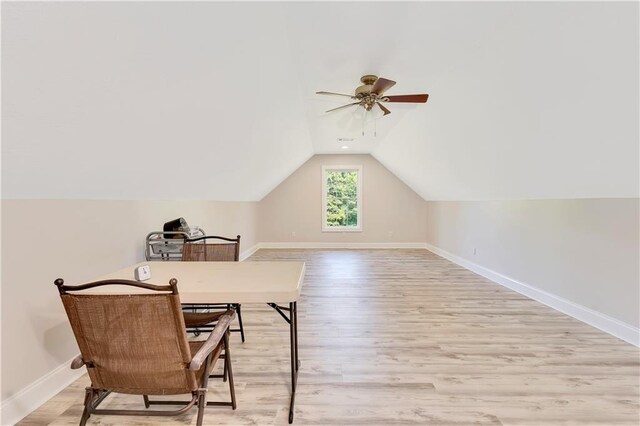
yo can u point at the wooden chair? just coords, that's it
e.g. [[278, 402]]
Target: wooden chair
[[137, 344], [227, 251]]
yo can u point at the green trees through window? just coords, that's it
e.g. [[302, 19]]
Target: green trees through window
[[342, 198]]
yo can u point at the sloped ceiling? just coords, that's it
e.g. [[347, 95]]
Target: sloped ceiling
[[149, 101], [216, 100]]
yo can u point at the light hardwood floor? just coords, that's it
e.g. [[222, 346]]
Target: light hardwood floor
[[406, 337]]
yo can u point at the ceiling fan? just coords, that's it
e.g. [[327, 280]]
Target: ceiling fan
[[372, 93]]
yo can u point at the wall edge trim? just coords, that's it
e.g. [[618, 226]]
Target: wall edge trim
[[603, 322], [32, 396], [322, 245], [247, 253]]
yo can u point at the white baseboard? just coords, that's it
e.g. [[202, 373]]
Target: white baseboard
[[294, 245], [596, 319], [21, 404], [247, 253]]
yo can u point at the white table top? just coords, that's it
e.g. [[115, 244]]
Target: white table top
[[218, 282]]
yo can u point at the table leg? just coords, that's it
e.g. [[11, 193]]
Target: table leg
[[292, 319], [295, 318], [295, 362]]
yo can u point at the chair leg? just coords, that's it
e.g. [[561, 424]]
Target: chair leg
[[146, 401], [225, 372], [202, 393], [202, 404], [239, 312], [87, 400], [227, 364]]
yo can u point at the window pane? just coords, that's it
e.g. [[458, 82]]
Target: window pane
[[342, 198]]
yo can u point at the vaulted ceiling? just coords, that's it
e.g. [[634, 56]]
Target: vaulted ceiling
[[217, 100]]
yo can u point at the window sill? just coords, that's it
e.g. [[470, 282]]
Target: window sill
[[342, 229]]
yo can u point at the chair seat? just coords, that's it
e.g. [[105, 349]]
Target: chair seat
[[200, 319]]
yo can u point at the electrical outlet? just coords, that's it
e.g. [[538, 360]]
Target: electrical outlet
[[143, 273], [293, 233], [475, 251], [391, 233]]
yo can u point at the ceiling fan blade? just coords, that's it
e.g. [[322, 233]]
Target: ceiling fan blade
[[336, 94], [407, 98], [382, 85], [383, 108], [344, 106]]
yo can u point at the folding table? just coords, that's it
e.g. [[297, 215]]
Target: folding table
[[274, 283]]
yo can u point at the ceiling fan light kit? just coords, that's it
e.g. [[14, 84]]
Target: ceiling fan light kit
[[371, 92]]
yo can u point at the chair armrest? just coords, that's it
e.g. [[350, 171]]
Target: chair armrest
[[214, 339], [77, 362]]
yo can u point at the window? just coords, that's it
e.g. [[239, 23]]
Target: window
[[342, 198]]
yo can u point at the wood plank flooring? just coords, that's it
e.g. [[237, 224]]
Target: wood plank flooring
[[405, 337]]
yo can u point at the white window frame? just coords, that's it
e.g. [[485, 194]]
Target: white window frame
[[325, 170]]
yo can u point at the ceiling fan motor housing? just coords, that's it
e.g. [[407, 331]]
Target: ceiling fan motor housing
[[368, 81]]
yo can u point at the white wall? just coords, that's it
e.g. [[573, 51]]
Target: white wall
[[79, 240], [585, 251], [391, 212]]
